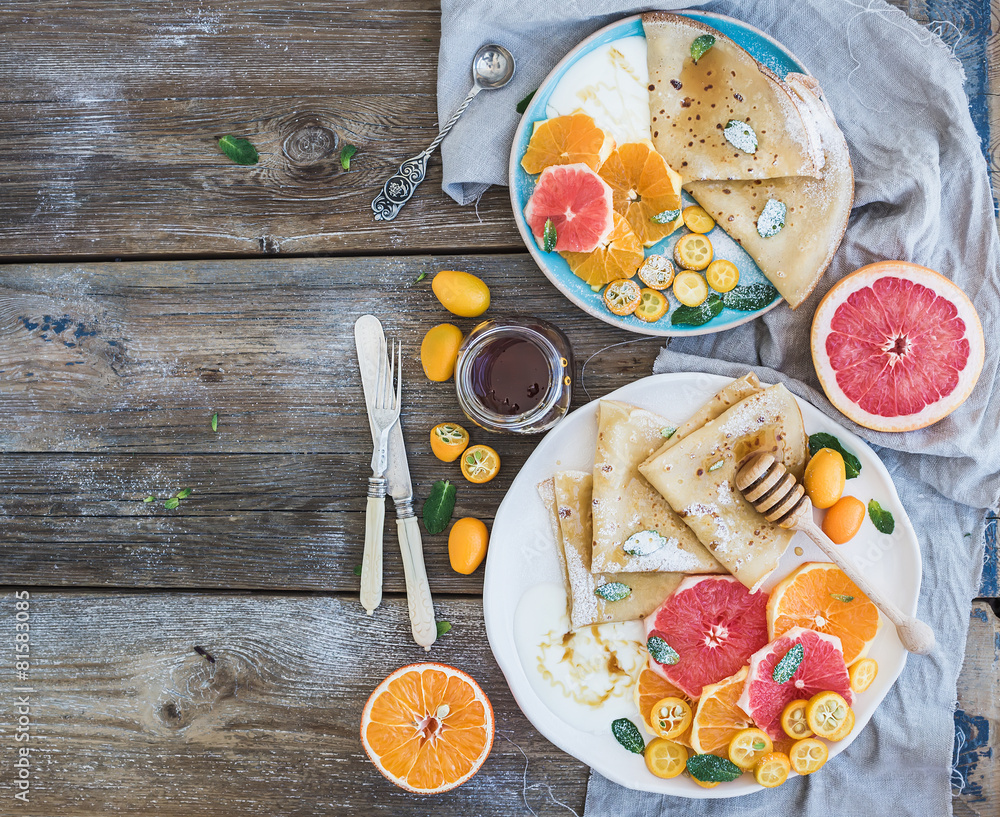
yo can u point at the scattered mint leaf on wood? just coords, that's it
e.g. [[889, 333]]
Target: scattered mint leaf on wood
[[613, 591], [522, 106], [439, 506], [701, 45], [183, 493], [661, 652], [882, 519], [549, 236], [443, 627], [785, 668], [215, 421], [357, 570], [171, 503], [823, 440], [149, 499], [239, 150], [420, 277], [628, 735], [346, 152], [666, 216]]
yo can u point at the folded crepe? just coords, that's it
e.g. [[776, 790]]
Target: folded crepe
[[625, 504], [567, 497], [816, 210], [697, 477], [692, 103]]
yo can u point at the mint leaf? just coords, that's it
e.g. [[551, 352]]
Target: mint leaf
[[666, 216], [357, 570], [346, 152], [420, 277], [183, 493], [822, 440], [149, 499], [749, 298], [880, 518], [239, 150], [443, 627], [712, 769], [701, 45], [613, 591], [215, 421], [661, 652], [522, 106], [668, 432], [741, 136], [697, 315], [439, 506], [785, 668], [628, 735], [171, 503], [549, 236], [771, 218], [842, 598]]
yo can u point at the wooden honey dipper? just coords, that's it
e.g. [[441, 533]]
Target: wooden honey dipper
[[779, 497]]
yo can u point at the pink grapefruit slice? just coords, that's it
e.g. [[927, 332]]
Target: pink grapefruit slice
[[714, 624], [579, 203], [897, 346], [822, 669]]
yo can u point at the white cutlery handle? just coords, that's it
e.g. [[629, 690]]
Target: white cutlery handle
[[418, 591], [371, 565], [917, 636]]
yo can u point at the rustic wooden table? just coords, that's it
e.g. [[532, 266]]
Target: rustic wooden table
[[149, 283]]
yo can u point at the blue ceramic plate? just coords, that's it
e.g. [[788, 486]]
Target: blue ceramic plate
[[764, 50]]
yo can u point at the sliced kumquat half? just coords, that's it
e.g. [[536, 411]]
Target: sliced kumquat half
[[808, 755], [657, 272], [651, 687], [480, 463], [826, 713], [693, 251], [652, 305], [863, 674], [846, 728], [621, 297], [448, 441], [748, 746], [665, 758], [697, 219], [772, 769], [722, 275], [793, 720], [690, 289], [671, 717], [428, 727]]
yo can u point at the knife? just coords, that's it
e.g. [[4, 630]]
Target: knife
[[370, 341]]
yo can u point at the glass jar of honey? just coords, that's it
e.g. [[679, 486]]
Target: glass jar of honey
[[515, 374]]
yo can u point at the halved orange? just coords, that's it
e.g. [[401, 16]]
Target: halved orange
[[643, 185], [650, 688], [428, 727], [718, 718], [619, 256], [566, 140], [819, 596]]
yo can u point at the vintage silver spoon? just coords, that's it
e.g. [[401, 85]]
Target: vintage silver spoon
[[492, 68]]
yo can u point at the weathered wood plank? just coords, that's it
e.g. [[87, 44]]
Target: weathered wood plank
[[126, 716], [977, 720], [135, 358], [111, 114], [124, 364]]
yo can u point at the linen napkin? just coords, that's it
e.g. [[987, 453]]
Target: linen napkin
[[922, 194]]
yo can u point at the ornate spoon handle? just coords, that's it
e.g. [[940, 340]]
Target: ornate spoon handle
[[401, 186]]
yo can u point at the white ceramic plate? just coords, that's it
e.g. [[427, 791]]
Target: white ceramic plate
[[522, 555]]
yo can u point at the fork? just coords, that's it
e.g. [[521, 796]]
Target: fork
[[384, 415]]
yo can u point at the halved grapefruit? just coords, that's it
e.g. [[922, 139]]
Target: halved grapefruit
[[579, 204], [428, 727], [714, 624], [897, 346], [822, 669]]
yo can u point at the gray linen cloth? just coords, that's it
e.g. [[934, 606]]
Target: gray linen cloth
[[922, 195]]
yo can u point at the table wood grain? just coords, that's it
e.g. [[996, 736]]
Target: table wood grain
[[110, 373]]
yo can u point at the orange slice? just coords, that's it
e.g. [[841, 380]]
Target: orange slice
[[643, 186], [718, 718], [427, 727], [819, 596], [650, 688], [566, 140], [619, 256]]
